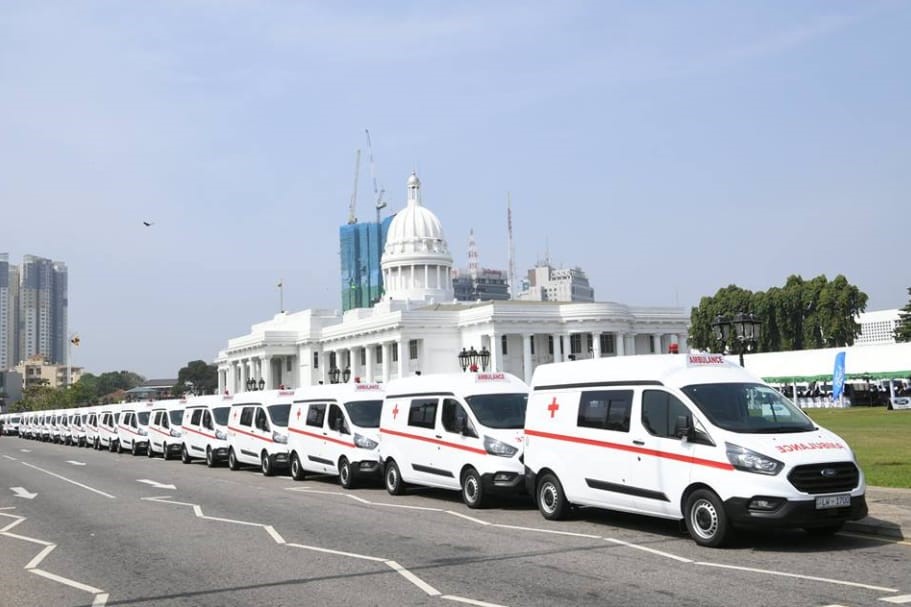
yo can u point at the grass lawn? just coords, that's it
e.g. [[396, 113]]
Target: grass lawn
[[881, 441]]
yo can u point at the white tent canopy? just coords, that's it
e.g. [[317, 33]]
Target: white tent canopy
[[887, 361]]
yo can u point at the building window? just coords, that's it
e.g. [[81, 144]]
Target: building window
[[550, 344], [607, 343], [316, 360], [363, 356], [379, 355], [413, 349], [504, 345], [532, 340], [575, 343], [395, 351], [288, 364], [333, 363]]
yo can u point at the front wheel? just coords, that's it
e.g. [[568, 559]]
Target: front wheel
[[297, 471], [233, 464], [705, 519], [551, 500], [185, 455], [134, 450], [210, 457], [472, 489], [266, 465], [165, 452], [394, 484], [345, 474]]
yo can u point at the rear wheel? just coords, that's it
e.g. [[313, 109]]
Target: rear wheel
[[297, 471], [345, 473], [551, 500], [266, 464], [472, 489], [233, 464], [185, 455], [706, 520], [393, 478], [210, 457]]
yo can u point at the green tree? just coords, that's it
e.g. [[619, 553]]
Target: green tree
[[903, 330], [198, 376]]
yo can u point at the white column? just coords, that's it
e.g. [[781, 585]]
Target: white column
[[631, 343], [494, 351], [402, 353], [527, 367], [620, 343], [596, 344], [221, 381], [368, 366], [387, 357], [558, 356]]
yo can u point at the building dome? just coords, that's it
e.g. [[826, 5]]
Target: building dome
[[416, 261]]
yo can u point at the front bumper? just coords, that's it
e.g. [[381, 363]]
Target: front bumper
[[367, 469], [792, 513], [504, 482]]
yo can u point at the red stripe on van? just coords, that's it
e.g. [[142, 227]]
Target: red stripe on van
[[185, 429], [125, 429], [268, 440], [433, 440], [597, 443], [321, 437], [168, 434]]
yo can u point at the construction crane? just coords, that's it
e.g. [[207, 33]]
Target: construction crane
[[353, 204], [377, 192]]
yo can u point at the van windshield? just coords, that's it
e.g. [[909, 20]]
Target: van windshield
[[176, 416], [143, 417], [221, 415], [365, 413], [748, 408], [279, 414], [499, 411]]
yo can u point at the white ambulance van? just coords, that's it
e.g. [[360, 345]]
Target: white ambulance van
[[334, 429], [684, 436], [258, 430], [90, 423], [459, 431], [107, 426], [133, 427], [76, 429], [11, 424], [205, 429], [165, 432]]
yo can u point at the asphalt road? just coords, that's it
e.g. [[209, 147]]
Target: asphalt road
[[95, 535]]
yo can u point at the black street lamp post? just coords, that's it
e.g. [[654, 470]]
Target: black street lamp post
[[346, 375], [743, 328], [334, 372], [471, 358]]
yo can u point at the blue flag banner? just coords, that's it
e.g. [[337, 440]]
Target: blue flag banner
[[838, 376]]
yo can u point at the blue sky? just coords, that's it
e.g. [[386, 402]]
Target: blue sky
[[667, 148]]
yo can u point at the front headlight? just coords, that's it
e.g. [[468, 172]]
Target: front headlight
[[363, 442], [142, 432], [278, 437], [496, 447], [176, 433], [750, 461], [221, 435]]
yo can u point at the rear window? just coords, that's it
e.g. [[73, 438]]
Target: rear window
[[606, 409]]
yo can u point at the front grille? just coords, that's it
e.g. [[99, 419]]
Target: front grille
[[825, 478]]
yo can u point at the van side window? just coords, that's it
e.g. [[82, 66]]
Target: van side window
[[660, 411], [262, 422], [194, 419], [337, 419], [165, 422], [606, 409], [315, 415], [423, 413], [246, 417], [454, 417], [207, 420]]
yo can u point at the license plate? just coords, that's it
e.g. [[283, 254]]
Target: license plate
[[833, 501]]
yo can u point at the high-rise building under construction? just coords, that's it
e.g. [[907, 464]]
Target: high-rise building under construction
[[361, 247]]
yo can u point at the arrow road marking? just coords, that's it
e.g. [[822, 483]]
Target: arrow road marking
[[23, 492], [156, 484], [75, 463]]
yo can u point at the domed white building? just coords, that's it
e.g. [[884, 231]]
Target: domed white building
[[418, 327]]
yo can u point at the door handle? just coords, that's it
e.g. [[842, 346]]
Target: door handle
[[324, 434], [438, 435], [638, 442]]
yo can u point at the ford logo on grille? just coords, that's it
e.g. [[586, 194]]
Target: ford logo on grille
[[828, 472]]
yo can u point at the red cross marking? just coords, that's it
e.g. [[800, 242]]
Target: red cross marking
[[298, 414], [552, 407], [235, 415], [395, 411]]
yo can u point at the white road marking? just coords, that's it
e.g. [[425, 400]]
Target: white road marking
[[647, 549], [75, 463], [467, 518], [101, 600], [12, 459], [63, 478], [25, 450], [40, 556], [551, 531], [275, 536], [156, 484], [462, 599], [798, 576], [414, 579], [23, 492], [897, 600], [363, 557], [66, 581]]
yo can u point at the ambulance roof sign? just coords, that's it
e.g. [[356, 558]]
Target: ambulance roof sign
[[705, 360]]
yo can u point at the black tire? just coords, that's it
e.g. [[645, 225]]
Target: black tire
[[165, 453], [233, 464], [346, 474], [134, 451], [210, 457], [473, 489], [111, 446], [266, 464], [706, 520], [551, 499], [185, 455], [393, 479], [297, 471], [119, 447], [149, 453], [825, 530]]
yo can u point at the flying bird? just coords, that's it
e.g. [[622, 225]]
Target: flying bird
[[148, 223]]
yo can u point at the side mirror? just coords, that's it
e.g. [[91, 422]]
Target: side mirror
[[683, 427]]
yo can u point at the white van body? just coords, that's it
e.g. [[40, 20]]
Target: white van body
[[76, 430], [688, 436], [133, 427], [461, 431], [90, 424], [165, 431], [11, 424], [107, 426], [258, 429], [334, 429], [205, 429]]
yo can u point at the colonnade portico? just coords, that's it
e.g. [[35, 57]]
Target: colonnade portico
[[258, 367], [377, 361]]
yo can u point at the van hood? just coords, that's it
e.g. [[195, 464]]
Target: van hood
[[814, 447]]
